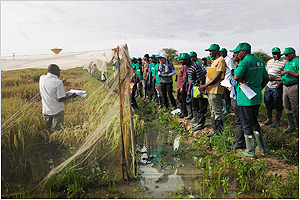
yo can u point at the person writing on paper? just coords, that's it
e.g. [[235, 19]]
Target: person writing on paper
[[199, 104], [53, 95], [251, 71], [215, 74], [290, 80], [274, 89]]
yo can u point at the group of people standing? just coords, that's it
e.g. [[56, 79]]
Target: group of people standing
[[221, 85]]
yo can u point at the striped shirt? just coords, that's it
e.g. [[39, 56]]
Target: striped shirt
[[274, 67], [195, 74]]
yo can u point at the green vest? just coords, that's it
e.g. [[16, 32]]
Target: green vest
[[252, 70], [292, 66]]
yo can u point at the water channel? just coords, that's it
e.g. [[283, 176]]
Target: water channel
[[167, 169]]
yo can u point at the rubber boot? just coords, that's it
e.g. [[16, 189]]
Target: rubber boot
[[194, 119], [160, 99], [219, 126], [156, 100], [200, 122], [213, 123], [239, 138], [226, 106], [189, 110], [269, 119], [291, 127], [297, 121], [250, 147], [260, 142], [277, 119]]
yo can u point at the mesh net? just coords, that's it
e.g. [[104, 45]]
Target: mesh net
[[104, 128]]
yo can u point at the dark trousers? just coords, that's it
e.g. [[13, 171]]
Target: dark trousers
[[181, 97], [248, 116], [167, 89], [273, 98], [239, 138], [199, 105]]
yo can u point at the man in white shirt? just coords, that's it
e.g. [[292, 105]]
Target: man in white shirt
[[226, 101], [274, 89], [53, 95]]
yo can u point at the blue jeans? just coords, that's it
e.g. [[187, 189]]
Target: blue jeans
[[248, 116], [273, 98]]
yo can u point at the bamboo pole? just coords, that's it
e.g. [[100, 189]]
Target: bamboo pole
[[124, 166]]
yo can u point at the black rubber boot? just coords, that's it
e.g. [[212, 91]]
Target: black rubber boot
[[269, 119], [200, 122], [239, 139], [213, 123], [194, 119], [277, 119]]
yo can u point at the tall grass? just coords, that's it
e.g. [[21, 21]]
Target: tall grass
[[24, 138]]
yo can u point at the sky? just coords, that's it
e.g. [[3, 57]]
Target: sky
[[34, 27]]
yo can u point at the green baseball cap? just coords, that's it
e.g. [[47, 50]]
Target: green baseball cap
[[223, 49], [183, 56], [152, 56], [275, 50], [204, 58], [139, 58], [288, 50], [245, 46], [242, 46], [193, 53], [236, 48], [213, 47], [133, 58]]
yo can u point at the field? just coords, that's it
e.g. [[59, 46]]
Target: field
[[29, 151]]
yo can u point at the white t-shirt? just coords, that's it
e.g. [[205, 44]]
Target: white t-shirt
[[51, 89], [229, 66]]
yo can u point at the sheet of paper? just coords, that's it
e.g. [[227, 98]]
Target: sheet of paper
[[81, 93], [226, 83], [275, 75], [248, 91]]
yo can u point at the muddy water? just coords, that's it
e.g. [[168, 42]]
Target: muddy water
[[167, 170]]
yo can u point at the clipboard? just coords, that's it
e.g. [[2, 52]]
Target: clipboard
[[196, 92]]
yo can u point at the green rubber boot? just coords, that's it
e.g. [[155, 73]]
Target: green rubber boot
[[269, 120], [260, 142], [250, 147], [291, 127]]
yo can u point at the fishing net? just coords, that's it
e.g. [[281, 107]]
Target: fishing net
[[105, 134]]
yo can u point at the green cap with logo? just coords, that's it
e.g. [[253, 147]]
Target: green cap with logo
[[193, 53], [288, 50], [183, 56], [213, 47], [275, 50], [223, 49]]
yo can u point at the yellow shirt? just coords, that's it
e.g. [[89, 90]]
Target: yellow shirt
[[220, 65]]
